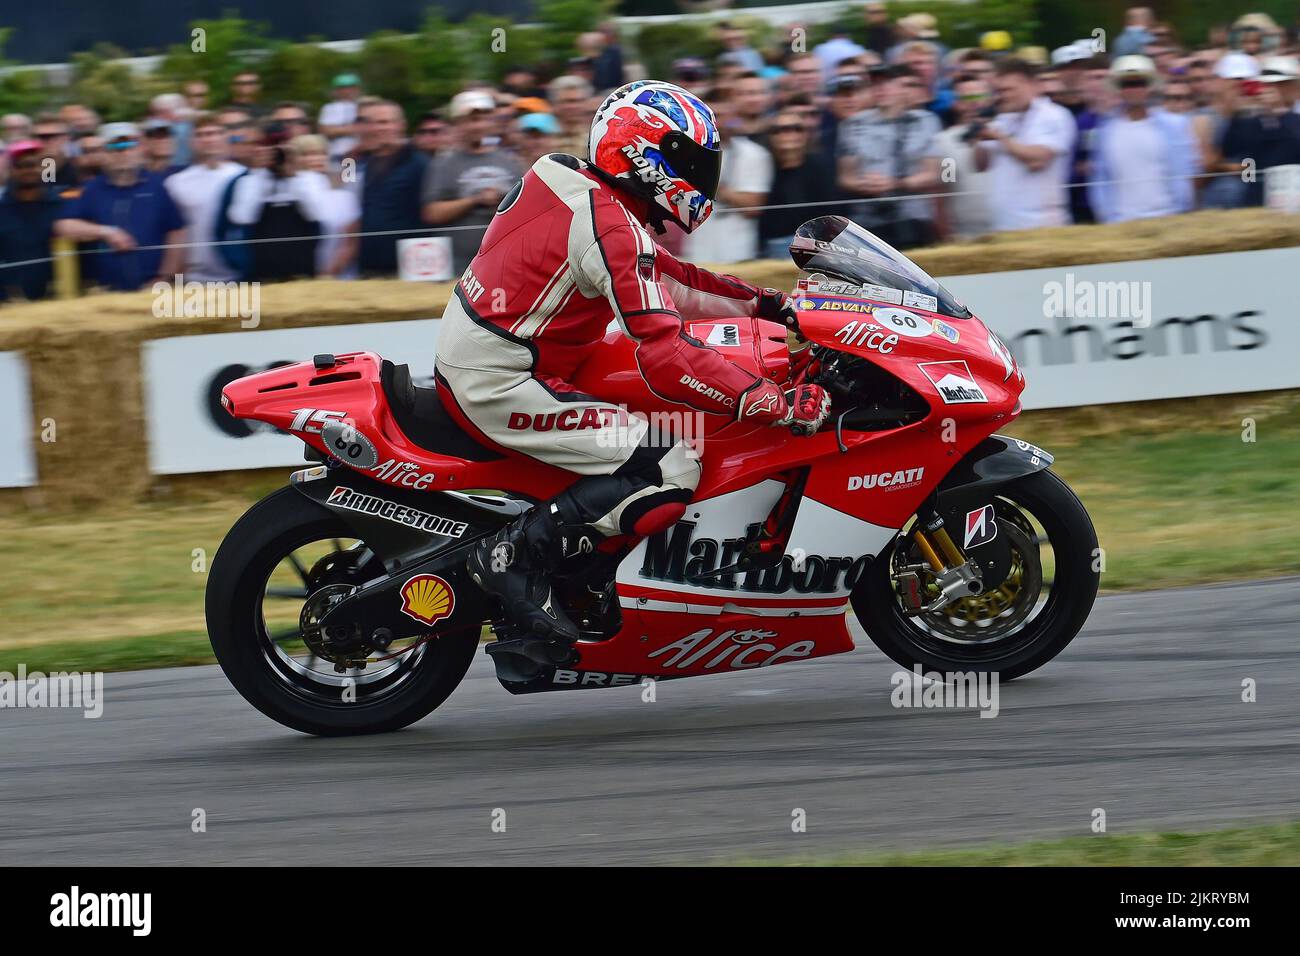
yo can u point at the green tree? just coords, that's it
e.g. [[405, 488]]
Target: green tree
[[216, 52], [108, 87], [21, 91]]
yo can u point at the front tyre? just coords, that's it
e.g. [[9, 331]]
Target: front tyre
[[1016, 625], [280, 562]]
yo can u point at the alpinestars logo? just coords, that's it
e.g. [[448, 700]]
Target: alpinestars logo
[[707, 391], [954, 382], [344, 497], [767, 404]]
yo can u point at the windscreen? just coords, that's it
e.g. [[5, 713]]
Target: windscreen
[[837, 247]]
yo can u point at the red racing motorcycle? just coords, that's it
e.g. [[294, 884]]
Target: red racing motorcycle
[[340, 604]]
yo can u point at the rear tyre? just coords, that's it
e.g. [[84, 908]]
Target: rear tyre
[[302, 692], [1014, 638]]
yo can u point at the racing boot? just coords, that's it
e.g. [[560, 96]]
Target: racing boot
[[515, 566]]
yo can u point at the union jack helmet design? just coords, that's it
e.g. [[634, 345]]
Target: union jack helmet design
[[660, 142]]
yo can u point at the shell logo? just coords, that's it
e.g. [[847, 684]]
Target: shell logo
[[427, 598]]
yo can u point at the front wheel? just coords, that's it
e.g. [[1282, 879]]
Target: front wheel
[[1014, 626], [272, 578]]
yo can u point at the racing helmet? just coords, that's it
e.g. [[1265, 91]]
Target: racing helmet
[[659, 142]]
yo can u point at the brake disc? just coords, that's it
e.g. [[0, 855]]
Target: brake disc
[[1004, 606], [336, 642]]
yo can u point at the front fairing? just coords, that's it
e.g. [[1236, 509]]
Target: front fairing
[[955, 364], [864, 297]]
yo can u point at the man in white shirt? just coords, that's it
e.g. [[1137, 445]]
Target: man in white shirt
[[1027, 151], [731, 233], [1144, 158], [338, 117], [198, 191]]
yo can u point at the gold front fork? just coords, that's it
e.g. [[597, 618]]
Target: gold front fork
[[952, 556]]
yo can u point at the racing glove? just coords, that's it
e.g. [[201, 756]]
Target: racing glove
[[802, 409], [775, 306]]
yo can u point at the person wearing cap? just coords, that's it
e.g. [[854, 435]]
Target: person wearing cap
[[1070, 63], [1145, 158], [995, 42], [160, 147], [1027, 149], [849, 94], [1267, 135], [338, 118], [1283, 72], [128, 210], [537, 133], [28, 209], [1231, 93], [464, 185]]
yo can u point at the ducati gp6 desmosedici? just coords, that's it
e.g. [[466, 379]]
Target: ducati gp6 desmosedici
[[340, 604]]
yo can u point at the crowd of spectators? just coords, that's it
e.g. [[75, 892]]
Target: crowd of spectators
[[917, 142]]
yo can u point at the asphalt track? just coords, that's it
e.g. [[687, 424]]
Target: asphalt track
[[1142, 717]]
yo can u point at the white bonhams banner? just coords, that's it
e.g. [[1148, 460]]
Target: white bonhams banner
[[189, 430], [1157, 328], [17, 456]]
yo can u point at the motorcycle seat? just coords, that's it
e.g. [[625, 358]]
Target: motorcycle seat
[[424, 421]]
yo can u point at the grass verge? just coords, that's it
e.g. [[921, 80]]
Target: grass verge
[[1267, 845]]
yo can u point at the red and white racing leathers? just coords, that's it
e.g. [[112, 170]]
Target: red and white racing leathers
[[562, 258]]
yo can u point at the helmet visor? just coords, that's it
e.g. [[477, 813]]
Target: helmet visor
[[698, 165]]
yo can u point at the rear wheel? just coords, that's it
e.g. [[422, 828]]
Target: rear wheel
[[1014, 626], [271, 580]]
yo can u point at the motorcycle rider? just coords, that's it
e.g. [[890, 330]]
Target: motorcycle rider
[[566, 253]]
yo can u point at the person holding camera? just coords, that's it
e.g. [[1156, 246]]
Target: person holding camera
[[283, 205], [1027, 150], [965, 212]]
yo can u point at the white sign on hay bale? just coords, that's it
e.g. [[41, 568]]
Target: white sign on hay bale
[[1282, 188], [17, 457], [424, 260]]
